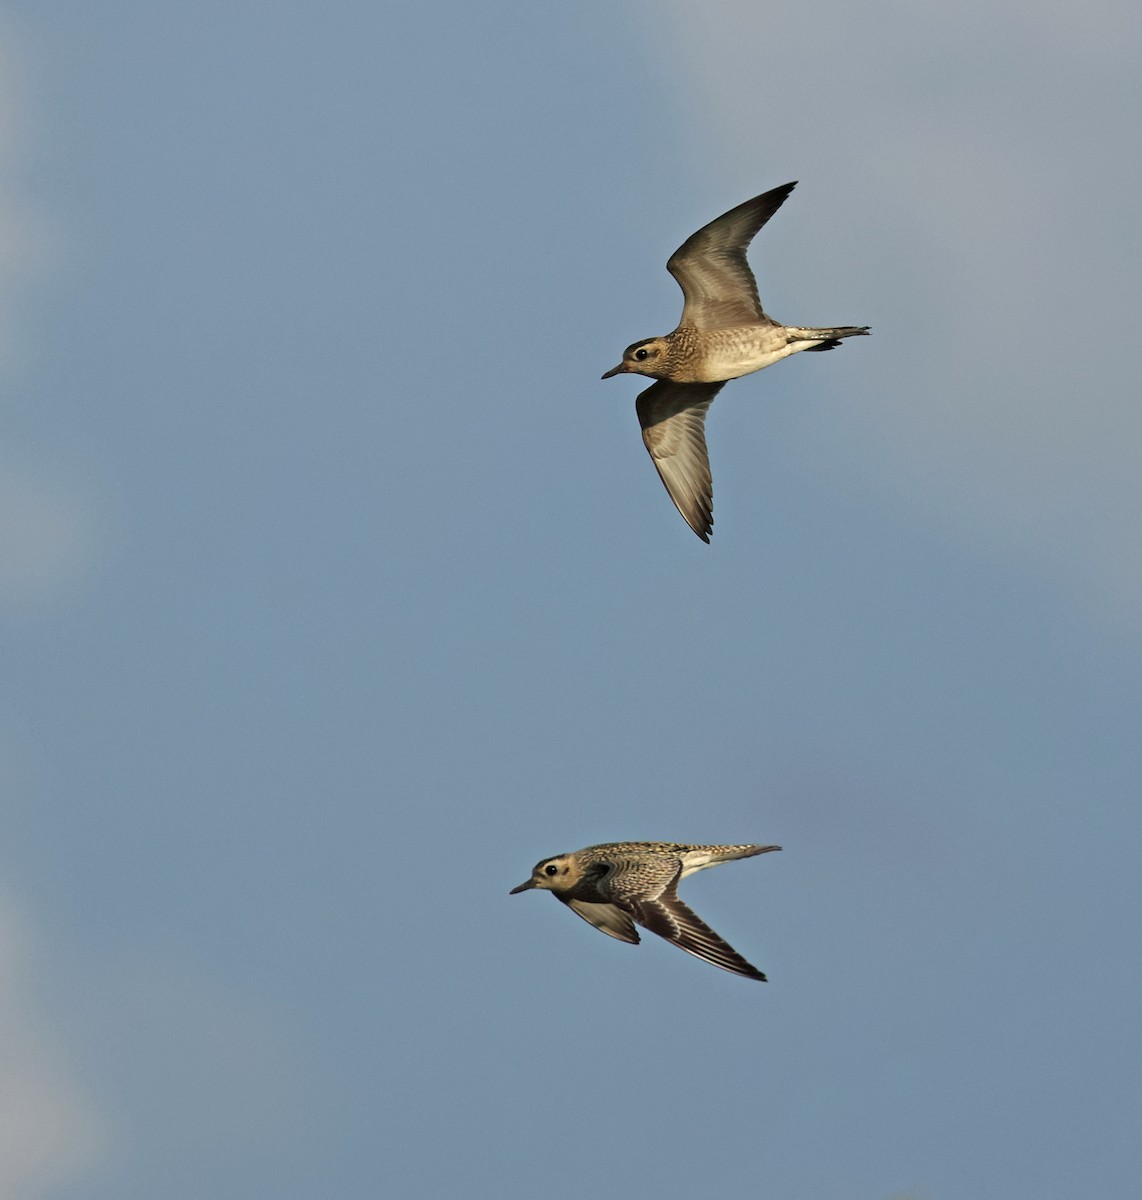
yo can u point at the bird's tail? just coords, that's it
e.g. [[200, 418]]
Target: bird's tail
[[825, 339]]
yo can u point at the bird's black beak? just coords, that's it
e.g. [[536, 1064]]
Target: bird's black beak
[[523, 887], [619, 370]]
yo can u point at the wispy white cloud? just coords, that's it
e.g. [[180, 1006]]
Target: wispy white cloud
[[21, 238], [47, 537], [46, 524], [49, 1133], [984, 214]]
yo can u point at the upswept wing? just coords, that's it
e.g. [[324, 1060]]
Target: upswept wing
[[711, 269]]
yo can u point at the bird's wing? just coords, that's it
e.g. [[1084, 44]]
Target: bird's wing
[[667, 916], [711, 266], [673, 419], [607, 917]]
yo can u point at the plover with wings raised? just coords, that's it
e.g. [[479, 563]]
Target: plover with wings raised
[[724, 333]]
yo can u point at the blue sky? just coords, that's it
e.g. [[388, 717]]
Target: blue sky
[[336, 589]]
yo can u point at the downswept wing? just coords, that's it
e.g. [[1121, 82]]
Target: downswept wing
[[673, 420], [607, 917], [667, 916], [711, 268]]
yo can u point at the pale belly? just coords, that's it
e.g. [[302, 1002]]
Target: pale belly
[[732, 353]]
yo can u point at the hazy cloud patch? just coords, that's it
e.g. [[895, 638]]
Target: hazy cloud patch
[[23, 249], [48, 1131], [47, 537]]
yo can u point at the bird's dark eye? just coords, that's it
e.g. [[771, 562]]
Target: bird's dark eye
[[642, 354], [551, 869]]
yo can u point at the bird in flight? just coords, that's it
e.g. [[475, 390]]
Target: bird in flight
[[724, 333], [620, 884]]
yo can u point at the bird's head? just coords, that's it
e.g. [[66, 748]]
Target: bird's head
[[556, 874], [642, 358]]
